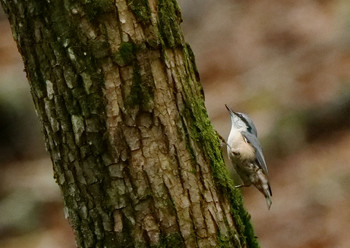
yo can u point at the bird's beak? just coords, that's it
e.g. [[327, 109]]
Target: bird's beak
[[229, 110], [233, 113]]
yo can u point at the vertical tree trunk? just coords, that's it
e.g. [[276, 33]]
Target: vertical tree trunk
[[117, 92]]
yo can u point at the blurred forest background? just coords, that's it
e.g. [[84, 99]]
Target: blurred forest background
[[285, 63]]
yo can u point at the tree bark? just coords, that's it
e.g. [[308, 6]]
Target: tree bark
[[117, 92]]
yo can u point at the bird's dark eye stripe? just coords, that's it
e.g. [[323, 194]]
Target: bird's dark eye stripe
[[247, 124]]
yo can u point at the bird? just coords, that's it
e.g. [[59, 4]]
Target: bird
[[246, 156]]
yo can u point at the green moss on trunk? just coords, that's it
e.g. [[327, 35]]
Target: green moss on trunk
[[141, 10], [169, 23]]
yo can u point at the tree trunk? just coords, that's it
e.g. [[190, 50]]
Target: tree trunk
[[117, 92]]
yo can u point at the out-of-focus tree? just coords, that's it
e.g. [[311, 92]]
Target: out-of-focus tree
[[117, 92]]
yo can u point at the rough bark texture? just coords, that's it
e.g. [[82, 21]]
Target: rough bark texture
[[116, 89]]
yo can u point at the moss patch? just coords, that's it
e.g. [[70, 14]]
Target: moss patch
[[141, 93], [126, 54], [141, 10], [192, 60], [173, 240], [95, 8], [169, 23]]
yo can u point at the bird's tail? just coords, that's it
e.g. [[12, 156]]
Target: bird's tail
[[268, 201], [264, 187], [268, 194]]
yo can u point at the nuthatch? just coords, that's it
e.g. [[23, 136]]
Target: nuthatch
[[245, 153]]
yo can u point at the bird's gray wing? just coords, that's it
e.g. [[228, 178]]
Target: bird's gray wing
[[253, 140]]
